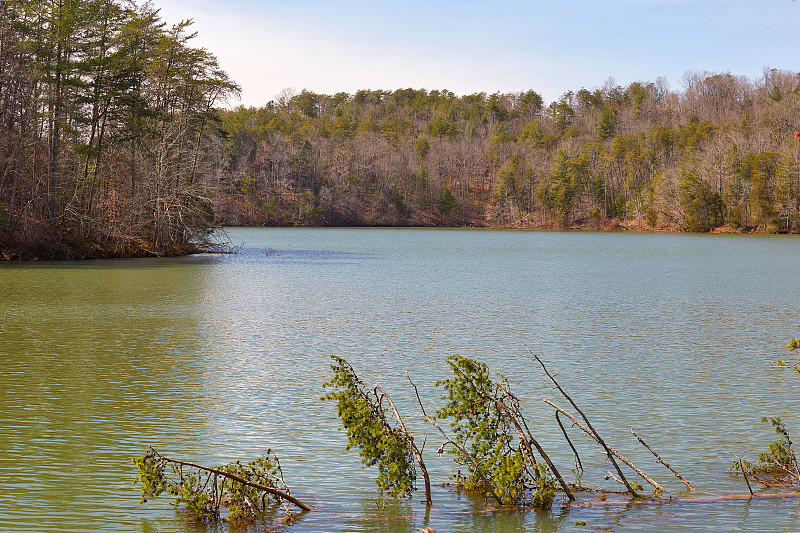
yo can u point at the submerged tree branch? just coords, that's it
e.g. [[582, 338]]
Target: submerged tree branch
[[600, 441], [476, 463], [578, 463], [412, 444], [269, 490], [528, 439], [662, 461], [610, 450], [389, 446]]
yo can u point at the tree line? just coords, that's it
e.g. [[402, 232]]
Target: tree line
[[105, 115], [720, 153], [116, 139]]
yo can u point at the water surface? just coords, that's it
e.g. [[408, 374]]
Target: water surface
[[218, 358]]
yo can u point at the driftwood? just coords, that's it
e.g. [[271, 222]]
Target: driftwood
[[593, 433], [609, 449], [663, 462]]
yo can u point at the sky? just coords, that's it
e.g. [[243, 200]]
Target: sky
[[473, 46]]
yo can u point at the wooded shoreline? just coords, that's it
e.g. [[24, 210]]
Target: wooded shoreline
[[118, 138], [63, 246]]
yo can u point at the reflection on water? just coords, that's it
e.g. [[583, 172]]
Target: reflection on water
[[219, 358], [94, 368]]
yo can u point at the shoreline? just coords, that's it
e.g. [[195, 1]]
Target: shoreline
[[49, 244], [63, 246]]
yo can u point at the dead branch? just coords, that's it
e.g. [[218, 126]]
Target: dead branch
[[744, 473], [609, 450], [610, 475], [600, 441], [662, 461], [578, 463]]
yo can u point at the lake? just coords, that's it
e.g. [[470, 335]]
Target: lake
[[219, 358]]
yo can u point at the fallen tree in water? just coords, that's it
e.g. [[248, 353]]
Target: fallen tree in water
[[490, 438], [388, 445], [248, 492]]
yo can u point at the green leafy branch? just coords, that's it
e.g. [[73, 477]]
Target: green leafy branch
[[488, 423], [382, 443], [249, 491], [793, 345], [778, 461]]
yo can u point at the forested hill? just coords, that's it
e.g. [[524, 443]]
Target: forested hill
[[720, 153], [115, 141]]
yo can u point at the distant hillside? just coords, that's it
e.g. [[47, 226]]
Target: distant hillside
[[721, 153]]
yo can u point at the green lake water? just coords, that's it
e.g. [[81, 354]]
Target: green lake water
[[218, 358]]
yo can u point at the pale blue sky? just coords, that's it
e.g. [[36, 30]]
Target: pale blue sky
[[476, 45]]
